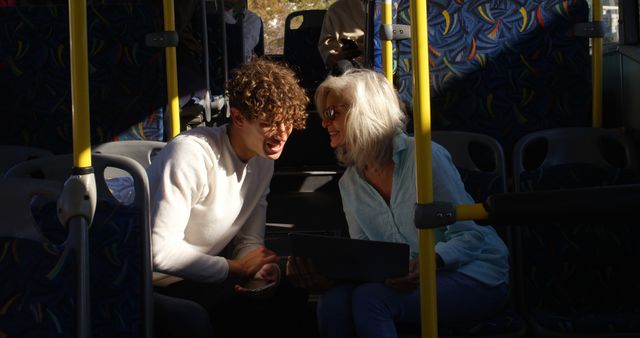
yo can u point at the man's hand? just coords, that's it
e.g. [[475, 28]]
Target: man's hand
[[251, 263], [348, 50], [269, 275]]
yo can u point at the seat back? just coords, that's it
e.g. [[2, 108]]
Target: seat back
[[480, 160], [11, 155], [601, 148], [34, 59], [141, 151], [474, 52], [16, 196], [577, 278], [304, 189], [119, 257], [301, 34]]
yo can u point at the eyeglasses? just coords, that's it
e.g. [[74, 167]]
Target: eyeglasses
[[277, 128], [329, 113]]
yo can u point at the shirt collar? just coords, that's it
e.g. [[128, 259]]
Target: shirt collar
[[399, 145]]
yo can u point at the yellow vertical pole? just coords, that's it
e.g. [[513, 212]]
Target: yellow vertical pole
[[596, 67], [79, 83], [424, 176], [387, 49], [82, 181], [172, 69]]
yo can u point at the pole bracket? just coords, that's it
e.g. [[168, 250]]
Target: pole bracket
[[395, 32], [434, 215], [592, 29], [78, 196], [162, 39]]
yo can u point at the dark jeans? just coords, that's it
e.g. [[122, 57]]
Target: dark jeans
[[177, 318], [373, 309], [286, 314]]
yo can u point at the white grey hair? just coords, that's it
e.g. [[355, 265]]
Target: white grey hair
[[372, 120]]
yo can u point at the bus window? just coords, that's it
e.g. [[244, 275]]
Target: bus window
[[274, 13], [610, 17]]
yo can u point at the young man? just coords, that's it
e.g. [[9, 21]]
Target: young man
[[208, 191]]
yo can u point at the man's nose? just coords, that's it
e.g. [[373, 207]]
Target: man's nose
[[280, 129]]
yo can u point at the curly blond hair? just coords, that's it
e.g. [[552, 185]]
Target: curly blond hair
[[268, 91]]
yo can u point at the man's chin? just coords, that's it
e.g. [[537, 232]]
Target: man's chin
[[273, 156]]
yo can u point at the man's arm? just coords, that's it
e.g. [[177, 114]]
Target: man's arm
[[177, 177], [328, 44], [252, 233]]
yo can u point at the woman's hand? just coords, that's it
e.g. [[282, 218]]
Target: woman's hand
[[412, 280], [303, 274], [270, 272], [409, 282]]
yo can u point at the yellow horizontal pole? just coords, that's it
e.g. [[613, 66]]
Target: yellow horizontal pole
[[471, 212]]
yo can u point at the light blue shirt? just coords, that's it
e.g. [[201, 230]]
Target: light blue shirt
[[477, 251]]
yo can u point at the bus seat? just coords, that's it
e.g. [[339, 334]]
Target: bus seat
[[308, 149], [16, 196], [492, 76], [38, 296], [301, 35], [476, 154], [577, 280], [304, 188], [141, 151], [35, 290], [35, 49], [480, 161], [11, 155]]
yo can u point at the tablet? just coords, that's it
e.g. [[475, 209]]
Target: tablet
[[352, 259]]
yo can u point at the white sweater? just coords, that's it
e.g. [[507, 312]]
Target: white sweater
[[203, 197]]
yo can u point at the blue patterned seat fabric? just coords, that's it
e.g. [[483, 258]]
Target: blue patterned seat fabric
[[29, 308], [126, 80], [502, 68], [580, 279]]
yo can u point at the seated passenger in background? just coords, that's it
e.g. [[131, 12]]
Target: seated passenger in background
[[251, 27], [208, 189], [361, 112], [342, 35]]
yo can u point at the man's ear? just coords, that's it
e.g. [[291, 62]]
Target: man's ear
[[236, 117]]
